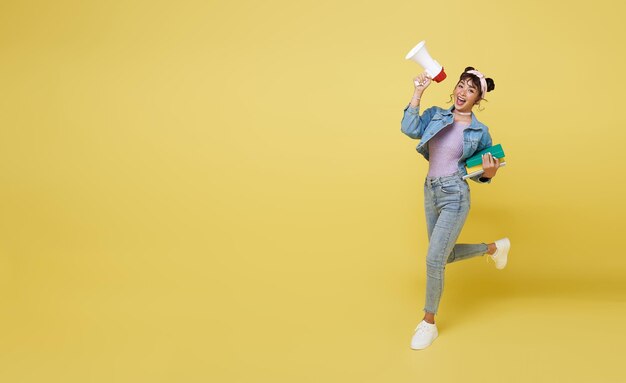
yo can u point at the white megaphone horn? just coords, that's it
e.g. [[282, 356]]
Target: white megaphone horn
[[420, 55]]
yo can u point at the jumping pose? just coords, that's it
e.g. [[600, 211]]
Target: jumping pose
[[447, 138]]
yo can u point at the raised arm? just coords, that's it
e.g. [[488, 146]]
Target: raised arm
[[412, 124]]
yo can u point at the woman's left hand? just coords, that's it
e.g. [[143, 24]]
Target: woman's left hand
[[490, 165]]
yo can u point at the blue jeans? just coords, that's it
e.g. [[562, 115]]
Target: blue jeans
[[446, 203]]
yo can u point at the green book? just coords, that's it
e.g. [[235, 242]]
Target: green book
[[477, 159]]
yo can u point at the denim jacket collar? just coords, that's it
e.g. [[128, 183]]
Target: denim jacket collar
[[475, 124]]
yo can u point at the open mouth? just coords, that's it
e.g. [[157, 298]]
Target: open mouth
[[460, 101]]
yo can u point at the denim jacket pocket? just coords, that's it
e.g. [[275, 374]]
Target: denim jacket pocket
[[437, 116], [474, 145]]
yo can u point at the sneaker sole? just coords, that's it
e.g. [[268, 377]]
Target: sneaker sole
[[425, 346]]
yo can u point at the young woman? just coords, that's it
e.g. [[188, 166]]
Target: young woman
[[447, 138]]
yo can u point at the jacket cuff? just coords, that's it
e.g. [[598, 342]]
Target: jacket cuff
[[412, 110]]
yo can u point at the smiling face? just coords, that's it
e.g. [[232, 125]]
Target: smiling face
[[465, 95]]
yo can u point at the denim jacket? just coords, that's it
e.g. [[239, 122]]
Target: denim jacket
[[476, 136]]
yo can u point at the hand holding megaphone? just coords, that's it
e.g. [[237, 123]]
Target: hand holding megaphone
[[422, 81]]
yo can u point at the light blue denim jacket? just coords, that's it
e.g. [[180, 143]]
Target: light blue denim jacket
[[476, 136]]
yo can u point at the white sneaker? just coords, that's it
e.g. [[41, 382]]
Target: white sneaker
[[425, 334], [502, 251]]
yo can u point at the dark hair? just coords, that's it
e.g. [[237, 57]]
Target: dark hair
[[491, 85]]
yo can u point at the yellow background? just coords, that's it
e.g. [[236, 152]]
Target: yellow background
[[203, 191]]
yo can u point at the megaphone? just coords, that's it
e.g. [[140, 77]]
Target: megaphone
[[420, 55]]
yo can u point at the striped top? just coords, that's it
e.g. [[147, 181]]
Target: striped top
[[445, 150]]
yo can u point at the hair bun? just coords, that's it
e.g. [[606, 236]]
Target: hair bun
[[468, 69], [490, 84]]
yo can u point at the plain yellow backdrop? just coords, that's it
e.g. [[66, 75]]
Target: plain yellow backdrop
[[201, 191]]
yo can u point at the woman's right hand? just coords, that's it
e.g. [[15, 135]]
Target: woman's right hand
[[422, 81]]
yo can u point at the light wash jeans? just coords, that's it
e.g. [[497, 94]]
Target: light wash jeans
[[446, 203]]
